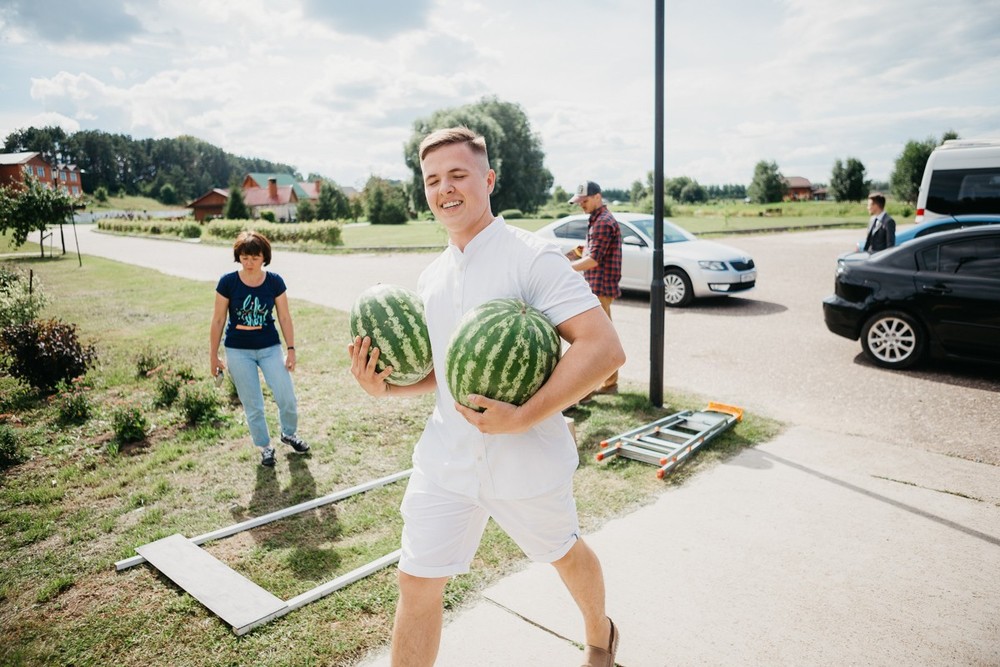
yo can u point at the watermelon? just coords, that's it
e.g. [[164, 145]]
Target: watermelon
[[393, 317], [504, 349]]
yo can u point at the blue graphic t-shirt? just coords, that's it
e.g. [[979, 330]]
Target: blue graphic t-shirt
[[251, 311]]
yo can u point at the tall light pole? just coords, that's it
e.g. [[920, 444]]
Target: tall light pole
[[656, 303]]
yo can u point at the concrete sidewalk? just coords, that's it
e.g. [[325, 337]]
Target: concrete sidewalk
[[813, 549]]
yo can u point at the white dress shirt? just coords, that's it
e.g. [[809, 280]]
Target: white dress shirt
[[500, 262]]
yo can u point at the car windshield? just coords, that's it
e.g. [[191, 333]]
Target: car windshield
[[671, 232]]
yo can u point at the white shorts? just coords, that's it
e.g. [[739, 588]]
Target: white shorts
[[442, 530]]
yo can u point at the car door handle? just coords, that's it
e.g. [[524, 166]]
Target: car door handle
[[936, 289]]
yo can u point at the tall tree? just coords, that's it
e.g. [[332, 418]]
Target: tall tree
[[33, 207], [847, 181], [305, 211], [909, 170], [236, 207], [692, 193], [636, 192], [767, 185], [684, 189], [515, 151], [51, 142], [332, 203], [140, 166], [385, 202], [168, 194]]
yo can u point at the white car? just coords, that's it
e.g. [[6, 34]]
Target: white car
[[692, 268]]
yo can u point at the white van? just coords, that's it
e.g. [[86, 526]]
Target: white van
[[961, 176]]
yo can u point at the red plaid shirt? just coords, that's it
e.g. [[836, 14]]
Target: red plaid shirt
[[604, 244]]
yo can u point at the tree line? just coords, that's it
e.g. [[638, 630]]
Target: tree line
[[847, 178], [170, 170]]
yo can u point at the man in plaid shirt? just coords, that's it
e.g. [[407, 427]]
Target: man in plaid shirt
[[601, 259]]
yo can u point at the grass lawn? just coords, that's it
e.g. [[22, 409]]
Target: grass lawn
[[83, 499], [130, 203], [430, 234], [717, 219]]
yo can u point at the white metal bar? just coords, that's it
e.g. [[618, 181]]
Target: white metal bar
[[343, 580], [279, 514]]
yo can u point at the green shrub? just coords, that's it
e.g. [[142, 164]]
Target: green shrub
[[199, 403], [182, 228], [44, 353], [168, 387], [191, 231], [129, 423], [11, 451], [21, 297], [325, 232], [267, 215], [101, 194], [511, 214], [148, 360], [74, 407]]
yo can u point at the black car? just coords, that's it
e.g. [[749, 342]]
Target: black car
[[938, 294]]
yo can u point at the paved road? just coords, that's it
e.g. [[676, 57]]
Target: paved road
[[767, 350]]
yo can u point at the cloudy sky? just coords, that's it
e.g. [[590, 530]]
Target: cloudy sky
[[333, 86]]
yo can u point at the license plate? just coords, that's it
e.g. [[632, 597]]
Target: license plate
[[748, 277]]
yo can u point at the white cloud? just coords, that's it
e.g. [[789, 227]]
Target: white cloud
[[336, 89]]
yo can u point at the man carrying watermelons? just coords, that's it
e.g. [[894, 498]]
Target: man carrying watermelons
[[512, 462], [601, 259]]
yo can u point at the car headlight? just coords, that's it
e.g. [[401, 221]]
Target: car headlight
[[712, 265]]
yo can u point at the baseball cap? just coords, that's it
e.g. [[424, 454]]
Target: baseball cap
[[585, 189]]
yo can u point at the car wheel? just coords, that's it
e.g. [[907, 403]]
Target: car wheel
[[677, 291], [893, 339]]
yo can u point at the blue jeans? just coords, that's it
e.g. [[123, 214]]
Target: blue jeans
[[243, 365]]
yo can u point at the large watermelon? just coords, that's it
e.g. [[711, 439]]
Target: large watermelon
[[504, 349], [393, 317]]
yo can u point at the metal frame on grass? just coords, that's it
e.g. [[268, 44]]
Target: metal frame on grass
[[235, 599]]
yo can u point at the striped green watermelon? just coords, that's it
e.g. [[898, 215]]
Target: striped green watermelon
[[504, 349], [393, 317]]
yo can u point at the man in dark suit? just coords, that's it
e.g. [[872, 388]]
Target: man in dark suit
[[882, 228]]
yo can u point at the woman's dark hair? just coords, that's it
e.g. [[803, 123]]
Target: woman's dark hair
[[252, 243]]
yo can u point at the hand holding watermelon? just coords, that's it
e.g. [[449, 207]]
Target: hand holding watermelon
[[491, 416], [392, 319], [364, 367]]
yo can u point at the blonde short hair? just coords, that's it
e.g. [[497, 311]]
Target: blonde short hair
[[454, 135]]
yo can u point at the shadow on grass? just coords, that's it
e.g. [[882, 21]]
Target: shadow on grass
[[307, 536]]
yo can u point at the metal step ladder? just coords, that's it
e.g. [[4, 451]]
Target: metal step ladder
[[669, 441], [228, 594]]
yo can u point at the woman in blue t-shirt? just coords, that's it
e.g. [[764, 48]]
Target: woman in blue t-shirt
[[248, 298]]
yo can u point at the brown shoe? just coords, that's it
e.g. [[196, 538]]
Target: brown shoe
[[610, 389], [600, 657]]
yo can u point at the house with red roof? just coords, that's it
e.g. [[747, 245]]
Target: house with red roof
[[15, 167], [281, 200], [210, 205], [799, 189], [277, 193]]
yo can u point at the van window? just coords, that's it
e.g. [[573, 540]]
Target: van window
[[958, 191]]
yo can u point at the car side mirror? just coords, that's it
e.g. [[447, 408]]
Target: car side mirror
[[633, 240]]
